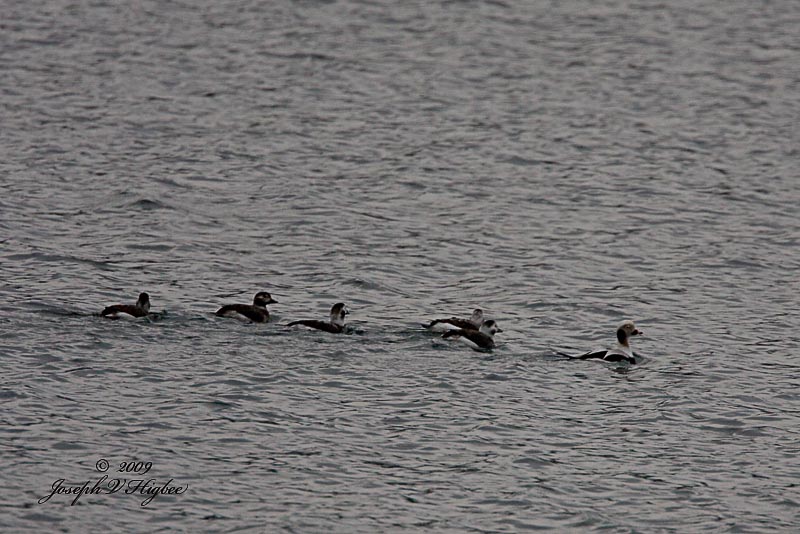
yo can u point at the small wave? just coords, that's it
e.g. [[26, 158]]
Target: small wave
[[147, 204]]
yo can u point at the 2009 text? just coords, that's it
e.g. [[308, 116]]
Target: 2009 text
[[140, 468]]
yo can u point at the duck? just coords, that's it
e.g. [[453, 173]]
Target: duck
[[128, 311], [334, 326], [456, 323], [622, 352], [256, 312], [481, 339]]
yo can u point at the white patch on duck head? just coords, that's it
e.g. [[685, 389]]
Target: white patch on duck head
[[625, 330], [338, 313], [490, 328], [263, 298]]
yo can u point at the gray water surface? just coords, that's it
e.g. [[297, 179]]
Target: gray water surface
[[563, 165]]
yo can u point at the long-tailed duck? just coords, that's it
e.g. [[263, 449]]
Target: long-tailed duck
[[128, 311], [621, 353], [334, 326], [456, 323], [256, 312], [482, 339]]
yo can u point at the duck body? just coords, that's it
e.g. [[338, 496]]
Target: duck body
[[325, 326], [256, 312], [482, 339], [607, 356], [456, 323], [334, 326], [621, 353], [128, 311]]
